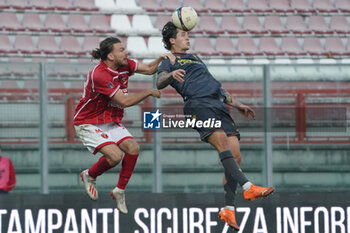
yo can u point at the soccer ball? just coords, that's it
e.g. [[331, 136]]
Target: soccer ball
[[185, 18]]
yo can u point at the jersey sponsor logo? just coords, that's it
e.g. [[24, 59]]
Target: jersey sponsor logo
[[186, 61]]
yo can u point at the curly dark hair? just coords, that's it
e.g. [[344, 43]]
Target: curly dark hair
[[106, 46], [169, 31]]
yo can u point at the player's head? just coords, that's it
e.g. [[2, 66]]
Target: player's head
[[175, 39], [112, 50]]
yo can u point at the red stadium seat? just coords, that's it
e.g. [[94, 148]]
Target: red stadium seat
[[280, 6], [151, 5], [25, 45], [334, 46], [313, 46], [170, 5], [4, 5], [70, 45], [90, 43], [19, 4], [231, 25], [78, 24], [54, 22], [274, 25], [343, 5], [62, 5], [100, 24], [259, 6], [247, 46], [42, 5], [215, 6], [48, 45], [236, 6], [291, 46], [296, 25], [6, 46], [208, 24], [324, 6], [225, 47], [252, 25], [32, 22], [196, 4], [269, 46], [85, 5], [318, 25], [302, 6], [339, 24], [9, 22], [203, 46], [161, 20]]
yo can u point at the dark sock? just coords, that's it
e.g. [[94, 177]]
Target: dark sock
[[230, 190], [232, 168]]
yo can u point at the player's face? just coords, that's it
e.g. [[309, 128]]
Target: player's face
[[119, 55], [182, 41]]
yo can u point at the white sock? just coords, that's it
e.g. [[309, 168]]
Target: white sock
[[230, 207], [119, 190], [246, 186]]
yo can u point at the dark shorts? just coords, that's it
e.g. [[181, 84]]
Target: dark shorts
[[211, 110]]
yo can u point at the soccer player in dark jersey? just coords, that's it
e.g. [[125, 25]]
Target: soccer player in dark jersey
[[98, 115], [205, 99]]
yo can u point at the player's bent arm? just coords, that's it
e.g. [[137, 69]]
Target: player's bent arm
[[230, 100], [130, 100], [164, 79]]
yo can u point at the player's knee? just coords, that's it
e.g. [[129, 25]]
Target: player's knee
[[132, 148], [115, 158]]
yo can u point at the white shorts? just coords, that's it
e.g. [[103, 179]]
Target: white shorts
[[96, 136]]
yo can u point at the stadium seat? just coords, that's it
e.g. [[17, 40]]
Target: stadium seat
[[121, 24], [342, 5], [4, 5], [170, 5], [54, 22], [296, 25], [339, 24], [252, 25], [274, 25], [9, 22], [6, 46], [318, 25], [19, 4], [269, 46], [215, 6], [347, 49], [324, 6], [291, 46], [247, 46], [155, 45], [85, 5], [90, 43], [313, 46], [48, 45], [70, 45], [129, 5], [237, 6], [108, 5], [42, 5], [231, 25], [202, 45], [151, 5], [259, 6], [100, 24], [142, 25], [334, 46], [196, 4], [208, 24], [25, 45], [280, 6], [137, 46], [62, 5], [32, 22], [77, 23], [161, 20], [302, 6], [225, 47]]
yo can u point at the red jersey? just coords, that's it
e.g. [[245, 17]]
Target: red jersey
[[7, 174], [96, 105]]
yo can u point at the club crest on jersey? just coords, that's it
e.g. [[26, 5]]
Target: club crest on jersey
[[104, 135], [110, 85]]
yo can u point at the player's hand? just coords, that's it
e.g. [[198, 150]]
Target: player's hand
[[179, 75], [247, 111], [155, 93], [170, 56]]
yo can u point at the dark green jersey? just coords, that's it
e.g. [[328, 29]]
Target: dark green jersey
[[198, 81]]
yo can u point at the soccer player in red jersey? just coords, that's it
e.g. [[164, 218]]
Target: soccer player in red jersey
[[98, 116]]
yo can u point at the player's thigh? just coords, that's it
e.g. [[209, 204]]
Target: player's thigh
[[113, 153], [130, 146], [219, 140]]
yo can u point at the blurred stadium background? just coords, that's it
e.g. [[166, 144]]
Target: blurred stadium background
[[288, 56]]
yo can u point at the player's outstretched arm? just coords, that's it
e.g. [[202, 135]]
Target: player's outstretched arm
[[164, 78], [130, 100], [152, 67], [242, 108]]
